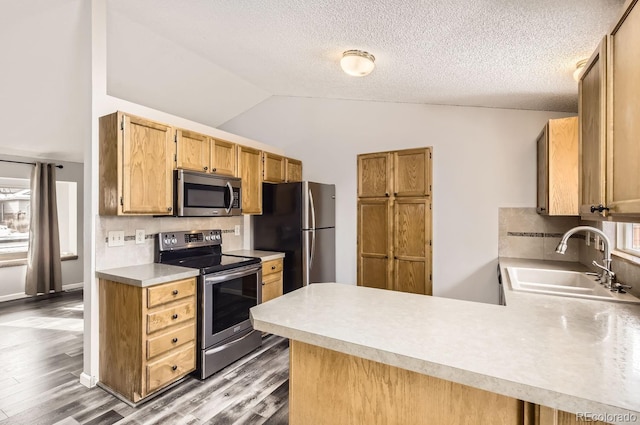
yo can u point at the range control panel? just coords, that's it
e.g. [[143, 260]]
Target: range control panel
[[170, 241]]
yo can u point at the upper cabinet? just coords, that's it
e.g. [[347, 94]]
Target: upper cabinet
[[293, 169], [223, 157], [557, 148], [623, 99], [136, 164], [192, 150], [374, 175], [250, 171], [411, 172], [274, 168], [609, 106], [592, 111]]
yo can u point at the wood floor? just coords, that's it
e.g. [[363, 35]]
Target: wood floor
[[41, 361]]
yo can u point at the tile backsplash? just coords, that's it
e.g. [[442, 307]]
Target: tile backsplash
[[132, 254], [523, 233]]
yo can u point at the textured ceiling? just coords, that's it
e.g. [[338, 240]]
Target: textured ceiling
[[495, 53]]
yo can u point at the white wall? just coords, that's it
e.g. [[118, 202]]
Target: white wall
[[482, 159], [12, 278]]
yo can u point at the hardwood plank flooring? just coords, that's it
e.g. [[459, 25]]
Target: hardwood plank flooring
[[41, 360]]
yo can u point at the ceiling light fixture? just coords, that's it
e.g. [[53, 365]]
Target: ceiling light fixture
[[357, 63], [579, 68]]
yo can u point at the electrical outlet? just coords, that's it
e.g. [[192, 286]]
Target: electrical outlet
[[237, 230], [140, 235], [116, 238]]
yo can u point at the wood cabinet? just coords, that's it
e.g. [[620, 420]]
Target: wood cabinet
[[293, 170], [593, 133], [543, 415], [192, 150], [623, 100], [272, 279], [136, 166], [394, 226], [147, 336], [223, 157], [250, 171], [375, 247], [274, 170], [557, 148]]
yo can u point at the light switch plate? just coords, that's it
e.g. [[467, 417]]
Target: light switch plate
[[237, 230], [140, 235], [116, 238]]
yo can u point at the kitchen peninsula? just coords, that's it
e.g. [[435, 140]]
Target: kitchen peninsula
[[364, 355]]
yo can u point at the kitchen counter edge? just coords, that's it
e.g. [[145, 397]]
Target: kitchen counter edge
[[144, 275]]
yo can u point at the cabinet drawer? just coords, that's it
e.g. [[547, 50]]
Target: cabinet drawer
[[273, 266], [168, 292], [170, 368], [169, 340], [170, 316]]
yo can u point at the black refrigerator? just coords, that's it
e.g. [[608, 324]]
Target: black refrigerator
[[299, 220]]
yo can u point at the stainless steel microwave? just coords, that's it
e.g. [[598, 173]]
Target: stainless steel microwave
[[206, 195]]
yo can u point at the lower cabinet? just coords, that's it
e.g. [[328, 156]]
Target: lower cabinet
[[147, 336], [543, 415], [271, 279]]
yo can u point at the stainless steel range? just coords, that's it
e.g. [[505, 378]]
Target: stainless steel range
[[228, 287]]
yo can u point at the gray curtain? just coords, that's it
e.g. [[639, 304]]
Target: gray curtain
[[44, 272]]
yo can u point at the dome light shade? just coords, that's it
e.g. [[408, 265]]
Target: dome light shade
[[357, 63], [579, 68]]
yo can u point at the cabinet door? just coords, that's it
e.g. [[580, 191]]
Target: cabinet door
[[374, 243], [192, 151], [250, 171], [543, 176], [623, 148], [412, 250], [562, 163], [147, 170], [412, 172], [223, 157], [274, 168], [593, 132], [374, 175], [294, 170], [271, 286]]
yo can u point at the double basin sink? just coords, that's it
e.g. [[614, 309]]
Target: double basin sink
[[563, 283]]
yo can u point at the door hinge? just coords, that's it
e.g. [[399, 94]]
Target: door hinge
[[429, 188], [121, 201], [429, 206], [430, 276], [175, 137], [430, 242], [429, 155], [175, 157]]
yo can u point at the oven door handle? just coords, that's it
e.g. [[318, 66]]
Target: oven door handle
[[208, 280], [228, 209]]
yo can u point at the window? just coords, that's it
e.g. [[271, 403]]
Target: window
[[15, 215], [628, 238]]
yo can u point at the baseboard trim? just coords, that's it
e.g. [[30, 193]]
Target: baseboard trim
[[19, 295], [88, 380]]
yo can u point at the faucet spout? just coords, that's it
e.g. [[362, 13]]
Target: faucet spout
[[607, 274]]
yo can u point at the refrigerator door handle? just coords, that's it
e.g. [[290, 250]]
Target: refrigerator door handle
[[312, 253], [313, 210]]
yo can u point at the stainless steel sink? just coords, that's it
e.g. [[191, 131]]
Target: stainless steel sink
[[563, 283]]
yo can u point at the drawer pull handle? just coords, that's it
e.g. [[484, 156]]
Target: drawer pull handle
[[174, 317], [175, 292], [174, 367], [273, 267], [174, 340]]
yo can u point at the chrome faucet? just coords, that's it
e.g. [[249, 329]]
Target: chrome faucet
[[607, 277]]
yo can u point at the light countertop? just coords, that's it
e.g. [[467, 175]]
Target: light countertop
[[147, 274], [263, 255], [566, 353]]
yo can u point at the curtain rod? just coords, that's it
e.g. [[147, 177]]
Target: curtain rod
[[28, 163]]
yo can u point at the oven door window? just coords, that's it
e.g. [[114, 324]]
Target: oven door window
[[232, 300], [204, 196]]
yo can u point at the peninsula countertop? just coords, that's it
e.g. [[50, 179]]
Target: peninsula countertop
[[571, 354]]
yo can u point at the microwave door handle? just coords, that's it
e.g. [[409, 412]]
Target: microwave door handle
[[228, 209]]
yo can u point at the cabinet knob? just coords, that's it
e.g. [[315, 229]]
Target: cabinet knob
[[169, 209], [174, 367], [175, 292], [599, 208], [206, 168], [263, 283], [174, 317], [386, 194], [174, 340], [213, 169], [395, 193], [273, 267]]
